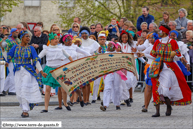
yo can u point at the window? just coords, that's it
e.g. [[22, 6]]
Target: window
[[32, 2], [67, 3]]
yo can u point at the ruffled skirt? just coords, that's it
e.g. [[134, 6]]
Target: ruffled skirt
[[169, 86], [49, 80]]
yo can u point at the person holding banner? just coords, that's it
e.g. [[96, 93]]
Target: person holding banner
[[55, 57], [73, 50], [102, 49], [169, 84], [26, 81], [127, 46], [112, 83], [92, 46]]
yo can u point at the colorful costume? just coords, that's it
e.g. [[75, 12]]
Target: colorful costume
[[9, 82], [26, 81], [170, 82]]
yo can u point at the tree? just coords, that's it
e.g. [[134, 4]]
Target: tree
[[7, 5], [190, 10], [93, 11]]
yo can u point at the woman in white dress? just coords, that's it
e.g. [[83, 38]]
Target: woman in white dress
[[128, 46], [92, 46], [26, 81], [170, 86], [55, 56], [72, 49]]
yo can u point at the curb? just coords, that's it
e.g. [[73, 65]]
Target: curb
[[17, 104]]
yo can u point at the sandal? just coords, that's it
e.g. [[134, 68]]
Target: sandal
[[24, 115], [102, 108]]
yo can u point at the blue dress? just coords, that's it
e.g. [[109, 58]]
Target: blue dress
[[25, 59]]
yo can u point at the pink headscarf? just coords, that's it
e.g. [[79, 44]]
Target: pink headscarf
[[64, 38], [115, 44]]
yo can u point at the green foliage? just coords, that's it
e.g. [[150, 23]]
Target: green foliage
[[7, 5], [190, 10], [94, 11]]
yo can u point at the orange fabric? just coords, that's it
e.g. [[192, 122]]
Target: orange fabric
[[146, 67], [48, 43]]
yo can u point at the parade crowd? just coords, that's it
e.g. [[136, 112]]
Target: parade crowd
[[164, 54]]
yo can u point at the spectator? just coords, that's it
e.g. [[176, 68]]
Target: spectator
[[75, 29], [144, 33], [92, 29], [189, 27], [143, 27], [3, 31], [40, 24], [127, 25], [8, 29], [99, 27], [92, 37], [189, 39], [145, 17], [130, 28], [182, 20], [56, 30], [113, 29], [152, 27], [38, 39], [25, 28], [121, 23], [52, 27], [166, 19], [172, 25], [76, 20], [20, 27], [46, 32]]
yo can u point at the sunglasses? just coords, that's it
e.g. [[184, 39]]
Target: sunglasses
[[27, 36], [56, 30], [92, 28], [75, 26]]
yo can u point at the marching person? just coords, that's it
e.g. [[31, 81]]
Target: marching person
[[26, 81], [91, 46], [55, 56], [112, 83], [73, 50], [12, 40], [169, 84], [102, 49], [2, 67]]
